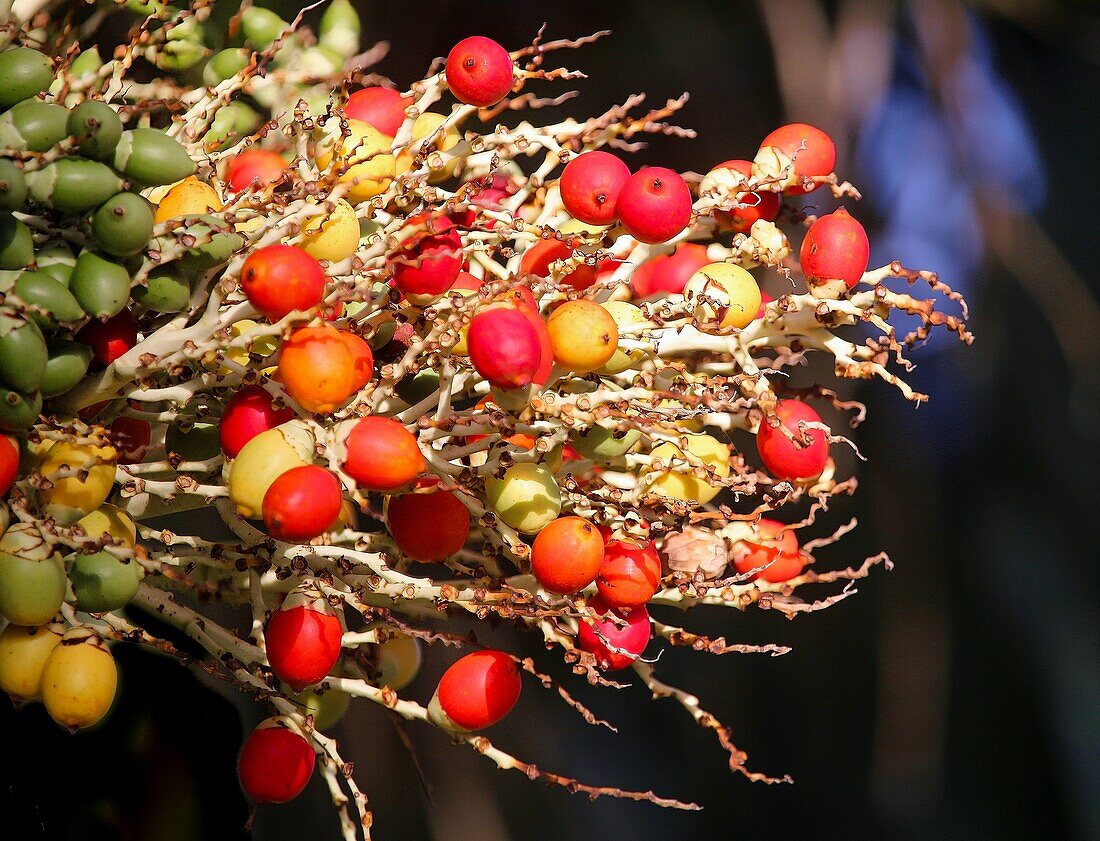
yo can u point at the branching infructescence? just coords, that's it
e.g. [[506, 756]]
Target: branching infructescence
[[425, 361]]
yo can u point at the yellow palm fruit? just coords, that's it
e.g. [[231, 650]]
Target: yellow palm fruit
[[724, 295], [189, 197], [425, 126], [370, 167], [685, 486], [79, 680], [23, 655], [333, 237], [264, 459], [71, 497], [112, 520]]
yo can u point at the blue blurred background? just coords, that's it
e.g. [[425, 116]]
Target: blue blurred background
[[955, 697]]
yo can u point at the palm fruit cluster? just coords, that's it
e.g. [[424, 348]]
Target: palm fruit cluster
[[424, 356]]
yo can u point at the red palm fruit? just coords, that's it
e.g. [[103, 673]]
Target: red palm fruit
[[303, 637], [362, 359], [275, 764], [408, 514], [302, 503], [465, 280], [382, 454], [9, 463], [254, 168], [279, 279], [567, 555], [629, 574], [654, 204], [248, 413], [479, 71], [835, 249], [625, 642], [476, 691], [811, 150], [426, 271], [131, 437], [782, 457], [382, 108], [773, 550], [109, 339], [590, 185], [751, 207], [536, 260], [765, 299], [668, 274], [505, 347]]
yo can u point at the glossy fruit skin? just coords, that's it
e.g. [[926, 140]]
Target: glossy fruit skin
[[123, 224], [627, 642], [52, 295], [13, 186], [99, 126], [629, 574], [590, 186], [150, 157], [625, 315], [73, 185], [103, 582], [333, 237], [303, 644], [259, 463], [751, 207], [584, 336], [835, 249], [818, 158], [191, 197], [109, 520], [302, 503], [362, 359], [38, 124], [166, 289], [504, 347], [781, 456], [109, 339], [479, 71], [604, 445], [382, 108], [726, 297], [9, 463], [23, 353], [23, 654], [567, 554], [477, 691], [16, 244], [32, 585], [23, 73], [381, 454], [248, 413], [279, 279], [774, 551], [684, 486], [254, 169], [527, 497], [275, 763], [79, 680], [399, 660], [654, 205], [317, 368], [100, 285], [424, 127], [408, 514], [70, 497], [368, 167], [427, 271]]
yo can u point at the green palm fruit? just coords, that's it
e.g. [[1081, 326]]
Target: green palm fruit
[[225, 65], [55, 259], [601, 444], [151, 157], [262, 26], [66, 366], [13, 186], [18, 411], [198, 443], [100, 285], [340, 28], [123, 224], [103, 582], [230, 123], [16, 245], [97, 127], [35, 126], [183, 47], [167, 290], [23, 352], [73, 185], [414, 389], [85, 64], [48, 293], [23, 73]]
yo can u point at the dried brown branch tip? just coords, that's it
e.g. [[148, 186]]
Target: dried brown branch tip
[[428, 358]]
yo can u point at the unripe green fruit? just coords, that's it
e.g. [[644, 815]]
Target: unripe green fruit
[[339, 29], [38, 125], [123, 224], [225, 65], [85, 64], [16, 245], [151, 158], [230, 123], [526, 498], [13, 186], [50, 294], [327, 709], [66, 366], [100, 286], [184, 47], [414, 389], [603, 445], [262, 26], [167, 290], [55, 259], [97, 128], [73, 185], [22, 353], [23, 73], [32, 577], [196, 444], [103, 582], [18, 411], [210, 254]]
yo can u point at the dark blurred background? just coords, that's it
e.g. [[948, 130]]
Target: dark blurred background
[[955, 697]]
